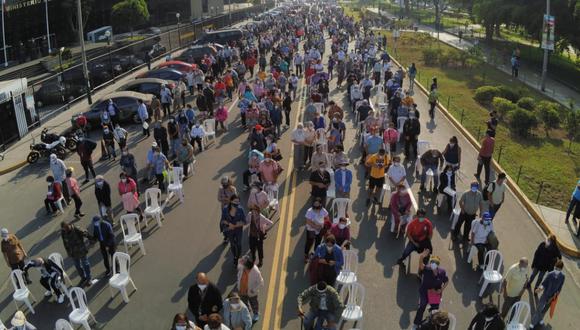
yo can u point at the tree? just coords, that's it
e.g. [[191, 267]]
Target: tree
[[492, 13], [129, 13], [69, 8], [573, 125], [522, 121]]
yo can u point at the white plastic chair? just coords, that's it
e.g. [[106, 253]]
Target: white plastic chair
[[347, 274], [331, 191], [452, 321], [175, 186], [491, 269], [400, 123], [454, 217], [209, 127], [339, 209], [21, 292], [3, 327], [58, 260], [321, 140], [429, 175], [133, 234], [272, 192], [353, 309], [518, 315], [386, 193], [80, 312], [422, 146], [121, 279], [61, 324], [152, 207], [59, 203]]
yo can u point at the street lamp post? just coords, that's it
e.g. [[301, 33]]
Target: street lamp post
[[62, 86], [230, 11], [177, 15], [83, 52], [546, 50], [47, 26]]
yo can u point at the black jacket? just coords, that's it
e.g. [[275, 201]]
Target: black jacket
[[103, 194], [107, 236], [412, 128], [211, 302], [443, 181], [545, 257], [479, 323]]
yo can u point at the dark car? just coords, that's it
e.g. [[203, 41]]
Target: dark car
[[221, 37], [195, 53], [127, 102], [164, 73], [54, 93], [146, 86], [127, 62]]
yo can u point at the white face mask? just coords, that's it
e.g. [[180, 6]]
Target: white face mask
[[557, 271], [487, 319], [124, 180], [5, 238], [202, 286], [341, 226], [449, 172], [434, 266], [180, 327], [235, 306]]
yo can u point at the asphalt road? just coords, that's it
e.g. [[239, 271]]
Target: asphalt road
[[189, 242]]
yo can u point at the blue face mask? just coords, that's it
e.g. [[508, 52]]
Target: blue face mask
[[474, 188]]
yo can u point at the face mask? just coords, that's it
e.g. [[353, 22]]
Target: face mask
[[341, 226], [100, 183], [235, 306], [449, 172], [396, 163], [180, 327], [316, 207], [523, 269], [49, 184], [474, 189], [235, 204], [254, 190], [452, 145], [5, 238], [421, 219], [434, 266], [202, 286], [487, 319], [157, 153], [106, 131], [124, 180], [125, 153], [321, 291], [548, 242], [486, 222], [557, 271]]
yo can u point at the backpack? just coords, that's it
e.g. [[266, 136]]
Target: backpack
[[485, 190]]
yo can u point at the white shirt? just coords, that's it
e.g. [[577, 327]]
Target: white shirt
[[497, 194], [298, 135], [316, 217], [197, 131], [480, 231], [142, 111], [397, 173]]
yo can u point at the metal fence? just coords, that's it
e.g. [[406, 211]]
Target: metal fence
[[66, 86]]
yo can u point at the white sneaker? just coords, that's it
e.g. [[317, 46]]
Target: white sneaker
[[60, 299], [48, 293]]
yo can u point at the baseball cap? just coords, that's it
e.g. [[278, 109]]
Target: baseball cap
[[486, 216], [4, 232]]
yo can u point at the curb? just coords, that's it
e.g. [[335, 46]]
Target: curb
[[13, 167], [532, 210]]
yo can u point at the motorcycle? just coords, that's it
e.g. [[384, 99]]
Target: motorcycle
[[71, 139], [45, 149]]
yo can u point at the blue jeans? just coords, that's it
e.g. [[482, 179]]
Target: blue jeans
[[83, 267], [319, 316], [435, 176], [175, 145], [573, 202], [540, 274]]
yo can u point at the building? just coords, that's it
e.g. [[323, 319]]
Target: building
[[17, 112], [204, 8]]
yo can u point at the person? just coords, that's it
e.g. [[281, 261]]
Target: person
[[574, 202], [144, 117], [13, 252], [276, 117], [249, 282], [232, 223], [103, 196], [19, 322], [185, 157], [269, 169], [432, 98], [391, 137], [340, 231], [378, 163], [85, 149], [484, 156], [515, 62], [411, 131], [73, 239], [419, 232], [431, 160], [492, 122], [257, 138], [550, 289], [236, 313], [129, 165], [372, 144], [325, 305], [197, 134], [400, 207], [214, 322], [487, 319], [330, 259], [514, 284], [75, 191], [545, 257], [496, 193], [434, 280], [309, 142], [51, 277], [160, 165], [320, 181], [412, 74], [129, 195], [396, 173], [226, 191], [156, 108], [221, 116], [120, 134], [318, 158], [181, 322], [447, 180], [53, 194], [102, 232], [166, 100], [480, 230], [315, 219], [108, 143], [298, 139], [439, 320], [58, 169], [203, 298], [452, 153], [160, 136], [342, 180], [470, 202], [174, 140], [259, 226]]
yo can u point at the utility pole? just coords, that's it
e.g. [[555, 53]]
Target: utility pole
[[83, 53], [47, 26], [546, 50]]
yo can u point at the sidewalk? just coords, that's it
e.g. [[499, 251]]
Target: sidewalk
[[555, 219], [554, 89]]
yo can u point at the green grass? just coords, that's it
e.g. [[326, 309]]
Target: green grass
[[352, 12], [537, 154]]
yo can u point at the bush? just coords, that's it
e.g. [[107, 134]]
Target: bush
[[503, 106], [445, 58], [522, 121], [485, 94], [573, 125], [550, 118], [431, 56], [527, 103], [509, 93]]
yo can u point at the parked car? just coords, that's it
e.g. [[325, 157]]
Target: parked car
[[180, 66], [163, 73], [221, 36], [127, 61], [52, 92], [146, 86], [127, 102], [195, 53]]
